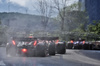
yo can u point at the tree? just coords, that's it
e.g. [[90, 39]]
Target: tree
[[63, 8], [95, 27], [73, 17], [45, 10], [60, 6]]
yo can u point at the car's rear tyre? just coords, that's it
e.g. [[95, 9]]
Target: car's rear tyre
[[75, 46], [61, 48], [43, 54], [86, 46], [41, 51], [63, 51], [70, 46], [80, 46], [51, 49]]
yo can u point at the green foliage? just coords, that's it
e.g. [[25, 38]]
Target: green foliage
[[75, 6], [75, 20], [95, 27]]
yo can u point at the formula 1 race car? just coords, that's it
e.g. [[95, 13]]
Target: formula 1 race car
[[54, 46], [61, 47], [70, 44], [26, 47], [75, 44], [40, 46], [80, 44]]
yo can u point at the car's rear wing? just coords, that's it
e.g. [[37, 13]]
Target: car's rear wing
[[35, 38], [24, 39], [48, 38]]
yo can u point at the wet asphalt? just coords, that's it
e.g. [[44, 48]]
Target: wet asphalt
[[71, 58]]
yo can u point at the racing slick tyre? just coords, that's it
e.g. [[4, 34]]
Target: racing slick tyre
[[75, 46], [41, 51], [80, 46], [51, 49], [70, 45], [93, 47], [86, 46], [61, 48]]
